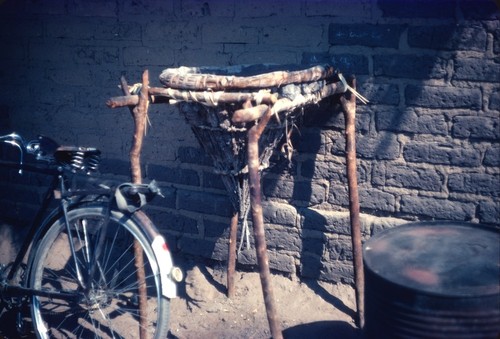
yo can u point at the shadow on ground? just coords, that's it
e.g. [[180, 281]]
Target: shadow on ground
[[323, 329]]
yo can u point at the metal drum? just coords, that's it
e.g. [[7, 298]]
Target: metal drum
[[433, 280]]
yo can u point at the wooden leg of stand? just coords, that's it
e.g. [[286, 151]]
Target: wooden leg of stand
[[231, 261], [349, 107], [258, 225]]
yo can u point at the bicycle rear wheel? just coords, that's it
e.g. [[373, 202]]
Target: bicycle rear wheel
[[109, 308]]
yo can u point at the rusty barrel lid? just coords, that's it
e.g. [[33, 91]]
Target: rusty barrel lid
[[449, 259]]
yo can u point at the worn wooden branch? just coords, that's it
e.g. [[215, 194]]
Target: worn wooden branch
[[169, 95], [258, 223], [231, 259], [139, 114], [190, 78], [349, 108]]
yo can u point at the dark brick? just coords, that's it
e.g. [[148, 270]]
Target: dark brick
[[313, 246], [215, 229], [169, 197], [326, 115], [193, 9], [350, 63], [311, 141], [338, 223], [496, 41], [476, 183], [315, 268], [385, 146], [396, 120], [196, 246], [281, 262], [173, 175], [382, 94], [280, 165], [93, 28], [335, 143], [364, 35], [409, 66], [247, 257], [310, 192], [437, 208], [92, 55], [424, 152], [93, 8], [312, 168], [201, 202], [338, 271], [479, 9], [338, 195], [213, 180], [280, 214], [428, 9], [376, 200], [71, 76], [494, 102], [255, 9], [277, 261], [168, 222], [173, 33], [116, 167], [443, 97], [284, 239], [476, 127], [310, 266], [477, 70], [344, 63], [492, 156], [232, 32], [338, 9], [279, 34], [448, 37], [489, 212], [408, 176], [340, 249], [331, 171], [193, 155], [146, 55], [154, 7]]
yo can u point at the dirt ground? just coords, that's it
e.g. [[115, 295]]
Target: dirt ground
[[306, 309]]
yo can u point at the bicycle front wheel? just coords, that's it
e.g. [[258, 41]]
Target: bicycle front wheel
[[108, 307]]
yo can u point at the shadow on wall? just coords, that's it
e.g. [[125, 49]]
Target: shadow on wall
[[419, 95]]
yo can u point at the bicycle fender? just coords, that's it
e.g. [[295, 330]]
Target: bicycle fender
[[165, 266]]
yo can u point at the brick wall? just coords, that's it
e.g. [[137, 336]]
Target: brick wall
[[428, 142]]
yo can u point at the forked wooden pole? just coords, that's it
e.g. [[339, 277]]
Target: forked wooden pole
[[139, 113], [258, 223], [349, 108]]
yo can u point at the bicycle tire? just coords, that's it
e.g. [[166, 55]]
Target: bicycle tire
[[111, 308]]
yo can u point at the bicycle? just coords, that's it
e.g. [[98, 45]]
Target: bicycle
[[77, 267]]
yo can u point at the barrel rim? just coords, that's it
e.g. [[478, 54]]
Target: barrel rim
[[438, 223]]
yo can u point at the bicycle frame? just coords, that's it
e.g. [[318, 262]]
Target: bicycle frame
[[57, 190]]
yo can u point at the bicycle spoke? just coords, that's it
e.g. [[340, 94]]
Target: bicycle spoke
[[109, 306]]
